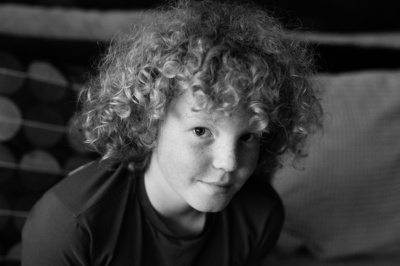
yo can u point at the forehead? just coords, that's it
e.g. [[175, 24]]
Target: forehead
[[186, 107]]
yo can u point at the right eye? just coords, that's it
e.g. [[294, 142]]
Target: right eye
[[202, 132]]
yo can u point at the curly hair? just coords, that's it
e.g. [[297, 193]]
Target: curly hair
[[237, 55]]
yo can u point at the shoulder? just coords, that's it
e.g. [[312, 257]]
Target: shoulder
[[257, 211], [258, 208], [90, 186], [65, 221]]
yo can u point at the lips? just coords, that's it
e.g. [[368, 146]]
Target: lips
[[219, 184], [217, 187]]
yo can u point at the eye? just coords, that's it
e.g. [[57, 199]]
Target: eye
[[202, 132], [249, 137]]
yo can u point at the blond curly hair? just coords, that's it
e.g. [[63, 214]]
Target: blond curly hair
[[237, 55]]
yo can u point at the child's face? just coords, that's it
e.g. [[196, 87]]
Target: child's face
[[201, 158]]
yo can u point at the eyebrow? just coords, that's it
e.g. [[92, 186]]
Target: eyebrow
[[201, 114]]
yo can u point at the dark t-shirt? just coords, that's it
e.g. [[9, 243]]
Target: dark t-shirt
[[102, 217]]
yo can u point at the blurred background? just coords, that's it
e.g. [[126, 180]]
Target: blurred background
[[48, 48]]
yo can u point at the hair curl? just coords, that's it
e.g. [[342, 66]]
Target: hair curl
[[238, 56]]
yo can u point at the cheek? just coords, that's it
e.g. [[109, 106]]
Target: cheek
[[194, 157], [248, 160], [183, 157]]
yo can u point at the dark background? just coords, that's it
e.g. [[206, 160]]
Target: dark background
[[325, 15], [328, 16]]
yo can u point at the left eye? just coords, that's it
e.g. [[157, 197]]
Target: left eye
[[202, 132], [249, 137]]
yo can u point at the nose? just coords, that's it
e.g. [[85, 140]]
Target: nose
[[225, 158]]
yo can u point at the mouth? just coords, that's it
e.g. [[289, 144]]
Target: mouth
[[217, 187], [219, 184]]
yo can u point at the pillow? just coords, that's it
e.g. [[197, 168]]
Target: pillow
[[346, 200]]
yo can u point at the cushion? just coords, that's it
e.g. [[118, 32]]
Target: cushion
[[344, 198]]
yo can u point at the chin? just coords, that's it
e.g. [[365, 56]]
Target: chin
[[211, 206]]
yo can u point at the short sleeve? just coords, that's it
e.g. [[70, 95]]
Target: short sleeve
[[52, 236]]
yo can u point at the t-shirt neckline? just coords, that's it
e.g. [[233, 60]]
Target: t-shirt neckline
[[155, 218]]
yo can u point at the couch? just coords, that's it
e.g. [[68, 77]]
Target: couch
[[342, 201]]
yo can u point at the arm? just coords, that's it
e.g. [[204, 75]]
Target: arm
[[52, 236]]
